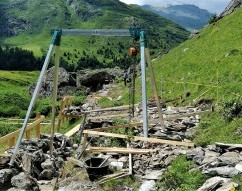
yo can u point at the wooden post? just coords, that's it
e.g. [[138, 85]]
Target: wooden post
[[83, 143], [11, 142], [37, 127], [154, 87], [28, 134]]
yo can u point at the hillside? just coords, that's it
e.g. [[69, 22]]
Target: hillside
[[190, 17], [27, 24]]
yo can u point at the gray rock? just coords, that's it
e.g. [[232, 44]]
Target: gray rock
[[48, 164], [239, 167], [212, 183], [198, 159], [148, 186], [223, 171], [198, 151], [230, 158], [46, 174], [25, 182], [5, 175], [228, 186], [209, 153], [59, 162], [209, 160], [4, 160], [153, 174]]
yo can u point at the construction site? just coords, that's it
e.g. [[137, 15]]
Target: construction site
[[139, 140]]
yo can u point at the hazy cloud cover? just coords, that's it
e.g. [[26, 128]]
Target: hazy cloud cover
[[211, 5]]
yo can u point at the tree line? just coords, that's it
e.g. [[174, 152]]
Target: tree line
[[18, 59], [24, 60]]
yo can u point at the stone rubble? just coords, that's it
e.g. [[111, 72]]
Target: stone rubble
[[220, 162], [40, 165]]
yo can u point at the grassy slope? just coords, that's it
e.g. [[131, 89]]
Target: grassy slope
[[14, 96], [203, 59]]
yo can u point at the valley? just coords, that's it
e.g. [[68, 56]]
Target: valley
[[197, 144]]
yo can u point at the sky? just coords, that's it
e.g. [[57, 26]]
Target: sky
[[213, 6]]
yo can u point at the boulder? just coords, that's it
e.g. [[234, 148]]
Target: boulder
[[223, 171], [25, 182], [230, 158], [5, 176], [46, 174], [148, 185], [48, 164], [212, 183]]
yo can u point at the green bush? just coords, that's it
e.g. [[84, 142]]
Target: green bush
[[78, 100], [44, 106], [9, 111], [232, 109], [181, 175], [6, 129]]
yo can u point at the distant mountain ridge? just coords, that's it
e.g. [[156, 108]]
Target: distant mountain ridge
[[188, 16], [27, 24]]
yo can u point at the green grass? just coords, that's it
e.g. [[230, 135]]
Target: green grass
[[121, 183], [213, 128], [202, 60], [181, 176]]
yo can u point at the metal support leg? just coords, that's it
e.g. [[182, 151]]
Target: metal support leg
[[144, 94], [32, 102], [54, 99]]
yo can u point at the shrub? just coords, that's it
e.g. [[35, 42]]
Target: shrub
[[213, 18], [232, 109], [6, 129]]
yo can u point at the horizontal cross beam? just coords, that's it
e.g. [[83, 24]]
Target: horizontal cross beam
[[96, 32]]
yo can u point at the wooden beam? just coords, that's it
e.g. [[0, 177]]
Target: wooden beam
[[119, 108], [117, 127], [162, 141], [109, 116], [118, 150], [15, 133], [229, 145], [154, 86], [75, 161], [135, 138], [73, 131]]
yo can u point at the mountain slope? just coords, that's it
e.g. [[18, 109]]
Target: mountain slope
[[190, 17], [213, 57], [29, 23]]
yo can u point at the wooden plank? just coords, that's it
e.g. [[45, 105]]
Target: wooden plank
[[28, 134], [154, 86], [229, 145], [72, 131], [15, 133], [75, 161], [109, 116], [117, 150], [11, 142], [136, 138], [105, 134], [113, 178], [117, 127], [162, 141], [119, 108]]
